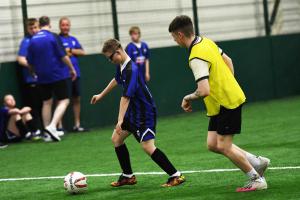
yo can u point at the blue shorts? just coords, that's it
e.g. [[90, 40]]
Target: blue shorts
[[140, 134]]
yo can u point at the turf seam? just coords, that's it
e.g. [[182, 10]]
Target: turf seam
[[144, 173]]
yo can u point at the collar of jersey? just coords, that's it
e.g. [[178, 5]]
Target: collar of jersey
[[197, 40], [64, 36], [125, 63], [138, 45], [44, 30]]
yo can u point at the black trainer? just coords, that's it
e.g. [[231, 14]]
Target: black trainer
[[79, 129]]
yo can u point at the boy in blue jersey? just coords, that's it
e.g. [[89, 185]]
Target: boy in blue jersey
[[30, 91], [15, 124], [137, 116], [49, 61], [138, 51], [73, 49]]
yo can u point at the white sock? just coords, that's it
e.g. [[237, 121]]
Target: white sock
[[50, 126], [252, 174], [176, 174], [253, 159], [127, 175]]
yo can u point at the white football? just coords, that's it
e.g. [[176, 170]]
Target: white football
[[75, 182]]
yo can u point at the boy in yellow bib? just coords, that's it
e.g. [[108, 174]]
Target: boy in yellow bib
[[223, 97]]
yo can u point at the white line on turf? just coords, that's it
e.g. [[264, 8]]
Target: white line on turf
[[141, 173]]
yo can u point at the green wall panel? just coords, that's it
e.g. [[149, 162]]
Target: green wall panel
[[9, 83], [266, 68], [286, 62], [252, 64]]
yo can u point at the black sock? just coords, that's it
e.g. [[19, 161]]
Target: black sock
[[31, 126], [162, 160], [22, 128], [124, 159]]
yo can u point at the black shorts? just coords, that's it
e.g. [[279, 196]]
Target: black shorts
[[227, 122], [140, 134], [74, 87], [59, 90]]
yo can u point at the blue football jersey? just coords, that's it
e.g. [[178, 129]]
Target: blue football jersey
[[139, 54], [45, 53], [23, 51], [141, 111], [72, 43]]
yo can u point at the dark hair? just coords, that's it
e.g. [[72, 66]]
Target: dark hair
[[135, 29], [31, 21], [111, 45], [182, 23], [44, 21]]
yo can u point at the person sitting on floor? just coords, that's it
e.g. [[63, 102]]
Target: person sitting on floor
[[16, 124]]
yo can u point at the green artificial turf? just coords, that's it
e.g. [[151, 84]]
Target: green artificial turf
[[270, 129]]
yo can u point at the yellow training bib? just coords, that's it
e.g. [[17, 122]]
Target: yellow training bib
[[224, 89]]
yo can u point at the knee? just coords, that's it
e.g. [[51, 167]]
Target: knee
[[225, 150], [116, 140], [17, 117], [27, 117], [212, 147], [148, 148]]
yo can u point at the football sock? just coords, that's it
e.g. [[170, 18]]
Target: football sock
[[253, 159], [124, 159], [127, 175], [22, 128], [252, 174], [176, 174], [31, 126], [161, 160]]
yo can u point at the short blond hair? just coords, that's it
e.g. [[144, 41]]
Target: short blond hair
[[134, 29], [5, 96]]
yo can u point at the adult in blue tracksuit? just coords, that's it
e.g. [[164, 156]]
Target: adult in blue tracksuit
[[49, 61], [74, 50]]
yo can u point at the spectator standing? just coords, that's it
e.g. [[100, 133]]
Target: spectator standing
[[30, 90], [138, 51], [73, 49], [49, 60]]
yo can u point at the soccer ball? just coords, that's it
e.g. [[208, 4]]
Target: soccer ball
[[75, 182]]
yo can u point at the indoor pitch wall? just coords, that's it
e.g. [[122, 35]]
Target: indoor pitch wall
[[266, 68]]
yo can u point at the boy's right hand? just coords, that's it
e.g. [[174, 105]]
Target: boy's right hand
[[95, 98]]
